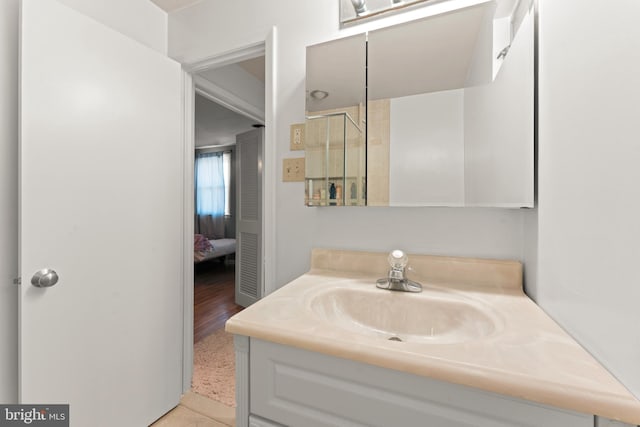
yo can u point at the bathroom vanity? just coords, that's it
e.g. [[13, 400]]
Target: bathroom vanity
[[471, 349]]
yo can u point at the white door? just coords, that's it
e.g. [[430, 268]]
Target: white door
[[101, 172], [249, 266]]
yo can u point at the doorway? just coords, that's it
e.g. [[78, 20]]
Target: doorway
[[228, 100]]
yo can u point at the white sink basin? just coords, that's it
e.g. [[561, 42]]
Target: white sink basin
[[428, 317]]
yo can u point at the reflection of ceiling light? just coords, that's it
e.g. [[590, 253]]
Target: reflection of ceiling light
[[319, 95]]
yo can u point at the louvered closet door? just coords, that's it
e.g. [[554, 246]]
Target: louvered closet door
[[249, 277]]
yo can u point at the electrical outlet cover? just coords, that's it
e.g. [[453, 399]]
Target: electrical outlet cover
[[297, 137]]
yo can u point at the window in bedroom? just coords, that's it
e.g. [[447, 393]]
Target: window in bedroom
[[213, 183]]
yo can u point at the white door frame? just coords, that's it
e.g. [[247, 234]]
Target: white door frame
[[268, 49]]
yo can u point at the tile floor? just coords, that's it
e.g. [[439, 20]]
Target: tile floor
[[198, 411]]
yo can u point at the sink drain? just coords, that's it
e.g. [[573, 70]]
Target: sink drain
[[395, 339]]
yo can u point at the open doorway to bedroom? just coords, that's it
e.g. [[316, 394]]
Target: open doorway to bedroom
[[229, 104]]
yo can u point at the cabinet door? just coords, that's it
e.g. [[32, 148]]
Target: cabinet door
[[261, 422], [300, 388]]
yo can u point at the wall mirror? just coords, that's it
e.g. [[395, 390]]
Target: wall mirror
[[448, 115], [335, 146]]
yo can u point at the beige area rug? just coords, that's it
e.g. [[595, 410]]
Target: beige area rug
[[214, 368]]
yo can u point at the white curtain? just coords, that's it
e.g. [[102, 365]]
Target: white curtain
[[210, 195]]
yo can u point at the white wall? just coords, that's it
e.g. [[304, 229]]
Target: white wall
[[589, 177], [426, 155], [9, 201], [138, 19], [216, 26], [472, 232]]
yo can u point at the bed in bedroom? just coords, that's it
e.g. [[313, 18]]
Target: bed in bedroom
[[205, 249]]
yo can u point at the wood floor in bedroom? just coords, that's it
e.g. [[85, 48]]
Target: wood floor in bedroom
[[213, 296]]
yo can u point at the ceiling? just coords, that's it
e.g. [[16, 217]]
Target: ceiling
[[255, 67], [217, 125]]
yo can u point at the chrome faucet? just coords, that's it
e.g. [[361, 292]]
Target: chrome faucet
[[397, 280]]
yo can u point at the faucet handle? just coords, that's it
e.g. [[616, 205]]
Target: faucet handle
[[398, 260], [396, 281]]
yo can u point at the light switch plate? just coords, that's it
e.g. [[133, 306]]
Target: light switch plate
[[293, 169], [297, 136]]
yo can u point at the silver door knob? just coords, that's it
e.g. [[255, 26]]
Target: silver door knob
[[44, 278]]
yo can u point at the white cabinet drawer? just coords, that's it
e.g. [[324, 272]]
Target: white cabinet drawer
[[295, 387]]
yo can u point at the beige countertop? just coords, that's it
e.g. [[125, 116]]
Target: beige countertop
[[527, 355]]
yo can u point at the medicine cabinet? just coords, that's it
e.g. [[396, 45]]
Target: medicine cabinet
[[437, 111]]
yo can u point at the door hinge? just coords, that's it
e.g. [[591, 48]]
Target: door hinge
[[17, 281]]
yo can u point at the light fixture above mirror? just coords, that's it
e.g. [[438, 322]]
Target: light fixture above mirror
[[354, 11]]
